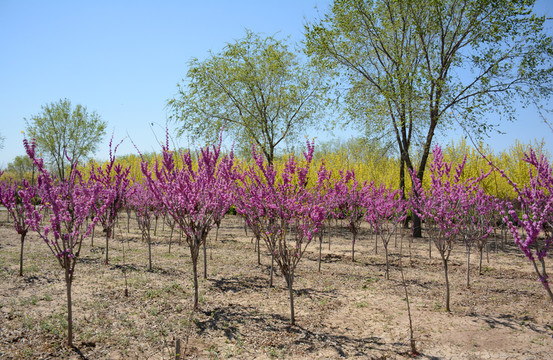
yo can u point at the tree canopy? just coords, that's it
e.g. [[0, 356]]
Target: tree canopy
[[415, 65], [255, 88], [22, 167], [65, 135]]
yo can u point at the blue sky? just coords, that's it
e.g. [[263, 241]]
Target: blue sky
[[123, 59]]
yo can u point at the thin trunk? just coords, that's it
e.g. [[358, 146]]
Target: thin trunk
[[329, 233], [387, 263], [125, 272], [549, 292], [69, 307], [504, 240], [291, 292], [404, 283], [21, 253], [205, 258], [480, 261], [107, 245], [171, 238], [495, 239], [320, 249], [149, 253], [92, 237], [410, 239], [272, 270], [258, 250], [216, 237], [177, 349], [196, 293], [429, 247], [447, 307], [468, 266], [354, 234], [543, 277]]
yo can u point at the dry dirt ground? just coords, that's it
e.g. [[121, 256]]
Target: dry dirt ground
[[348, 310]]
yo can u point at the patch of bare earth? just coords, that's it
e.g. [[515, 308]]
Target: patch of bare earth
[[347, 310]]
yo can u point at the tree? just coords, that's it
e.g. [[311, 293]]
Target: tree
[[536, 201], [65, 135], [14, 196], [113, 178], [22, 167], [61, 218], [284, 209], [194, 195], [443, 206], [256, 88], [419, 63], [350, 199]]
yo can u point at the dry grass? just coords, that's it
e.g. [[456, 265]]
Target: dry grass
[[346, 310]]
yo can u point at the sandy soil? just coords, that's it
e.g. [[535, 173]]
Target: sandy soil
[[348, 310]]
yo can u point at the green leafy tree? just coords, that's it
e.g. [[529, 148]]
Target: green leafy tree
[[66, 135], [256, 89], [23, 168], [414, 65]]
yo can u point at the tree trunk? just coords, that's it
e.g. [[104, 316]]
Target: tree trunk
[[411, 332], [21, 253], [429, 247], [353, 246], [417, 228], [447, 307], [205, 258], [216, 238], [92, 237], [548, 289], [375, 243], [543, 277], [171, 238], [196, 293], [291, 292], [320, 249], [108, 231], [125, 272], [258, 249], [468, 266], [329, 232], [480, 262], [387, 263], [69, 308], [272, 270], [149, 253]]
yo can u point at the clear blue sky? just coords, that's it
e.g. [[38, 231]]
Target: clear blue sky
[[123, 59]]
